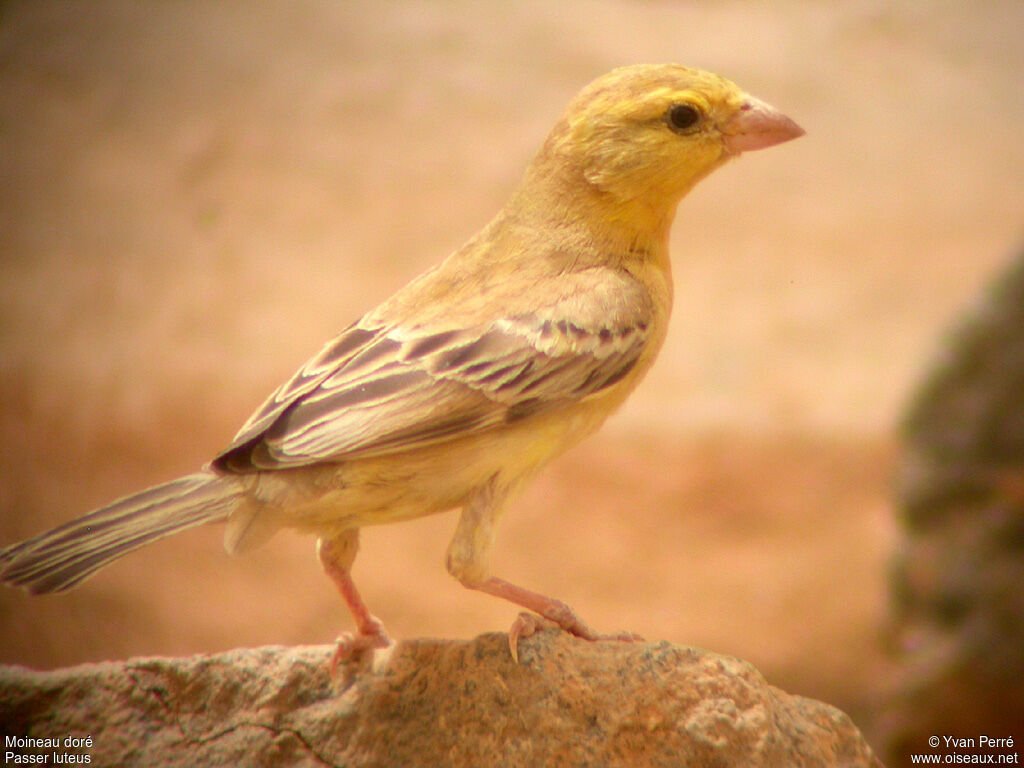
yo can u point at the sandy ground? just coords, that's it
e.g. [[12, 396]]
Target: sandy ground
[[195, 196]]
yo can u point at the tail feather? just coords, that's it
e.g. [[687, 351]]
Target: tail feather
[[61, 558]]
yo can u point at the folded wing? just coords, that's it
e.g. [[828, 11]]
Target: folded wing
[[382, 388]]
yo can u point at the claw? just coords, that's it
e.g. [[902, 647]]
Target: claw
[[622, 637], [527, 624], [351, 646]]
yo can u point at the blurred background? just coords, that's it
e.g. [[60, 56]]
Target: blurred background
[[195, 196]]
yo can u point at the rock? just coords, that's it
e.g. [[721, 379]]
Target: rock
[[431, 703], [958, 624]]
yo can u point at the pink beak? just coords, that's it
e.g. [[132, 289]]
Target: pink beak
[[757, 126]]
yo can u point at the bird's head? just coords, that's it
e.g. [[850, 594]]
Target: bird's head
[[641, 136]]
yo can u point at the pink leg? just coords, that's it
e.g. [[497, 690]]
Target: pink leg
[[336, 556], [468, 562], [555, 613]]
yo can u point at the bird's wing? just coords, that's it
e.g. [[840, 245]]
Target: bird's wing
[[383, 387]]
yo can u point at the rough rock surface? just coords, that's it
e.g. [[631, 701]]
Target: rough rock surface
[[959, 606], [432, 703]]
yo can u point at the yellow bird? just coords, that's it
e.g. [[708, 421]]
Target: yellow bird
[[457, 389]]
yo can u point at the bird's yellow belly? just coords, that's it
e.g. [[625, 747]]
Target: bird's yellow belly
[[402, 486]]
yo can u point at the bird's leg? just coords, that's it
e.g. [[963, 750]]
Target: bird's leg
[[336, 556], [469, 561]]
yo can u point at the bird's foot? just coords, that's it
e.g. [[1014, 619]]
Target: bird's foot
[[546, 613], [353, 645], [527, 624]]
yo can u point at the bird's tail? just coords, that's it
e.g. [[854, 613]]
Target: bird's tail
[[61, 558]]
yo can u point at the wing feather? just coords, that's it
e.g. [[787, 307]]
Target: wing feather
[[379, 389]]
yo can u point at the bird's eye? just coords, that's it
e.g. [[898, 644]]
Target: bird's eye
[[682, 117]]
